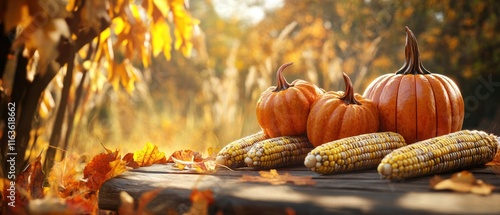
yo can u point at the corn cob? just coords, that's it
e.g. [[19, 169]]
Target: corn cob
[[278, 152], [353, 153], [445, 153], [233, 154]]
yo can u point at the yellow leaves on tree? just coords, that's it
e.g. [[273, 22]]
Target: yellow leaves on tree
[[136, 32]]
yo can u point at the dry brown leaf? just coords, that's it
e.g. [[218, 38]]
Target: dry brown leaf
[[185, 159], [461, 182], [149, 155], [203, 166], [274, 178], [65, 176], [129, 161], [98, 169], [185, 155], [31, 180]]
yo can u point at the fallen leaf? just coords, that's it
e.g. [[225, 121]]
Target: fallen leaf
[[185, 155], [149, 155], [65, 175], [274, 178], [98, 169], [129, 161], [185, 159], [200, 167], [31, 180], [200, 201], [461, 182]]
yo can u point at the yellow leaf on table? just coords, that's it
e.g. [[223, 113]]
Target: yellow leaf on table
[[149, 155], [274, 178], [117, 167]]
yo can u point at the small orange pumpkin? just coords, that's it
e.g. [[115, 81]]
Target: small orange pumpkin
[[283, 110], [415, 103], [336, 115]]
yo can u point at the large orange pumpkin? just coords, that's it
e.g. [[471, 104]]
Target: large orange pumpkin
[[283, 110], [415, 103], [336, 115]]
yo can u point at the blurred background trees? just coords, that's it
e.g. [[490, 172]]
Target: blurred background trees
[[204, 94]]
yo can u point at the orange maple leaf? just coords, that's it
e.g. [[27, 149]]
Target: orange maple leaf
[[129, 160], [98, 170], [149, 155]]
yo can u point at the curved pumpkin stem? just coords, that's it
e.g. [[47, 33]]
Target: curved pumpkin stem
[[413, 64], [348, 96], [282, 83]]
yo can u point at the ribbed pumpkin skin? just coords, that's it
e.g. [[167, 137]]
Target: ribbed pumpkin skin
[[418, 107], [284, 111], [415, 103], [332, 118]]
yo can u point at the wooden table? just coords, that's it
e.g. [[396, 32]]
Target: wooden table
[[347, 193]]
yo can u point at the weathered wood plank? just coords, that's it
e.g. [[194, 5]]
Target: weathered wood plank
[[355, 192]]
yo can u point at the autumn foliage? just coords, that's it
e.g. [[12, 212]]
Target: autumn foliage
[[74, 183]]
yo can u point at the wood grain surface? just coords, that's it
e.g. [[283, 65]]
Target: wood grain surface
[[360, 192]]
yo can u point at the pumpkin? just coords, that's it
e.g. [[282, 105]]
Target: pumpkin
[[414, 102], [337, 115], [283, 110]]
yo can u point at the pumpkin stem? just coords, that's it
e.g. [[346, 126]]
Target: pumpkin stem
[[413, 64], [348, 96], [282, 83]]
